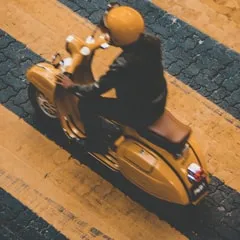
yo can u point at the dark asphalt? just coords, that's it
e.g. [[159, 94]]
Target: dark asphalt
[[190, 55], [216, 218], [17, 222]]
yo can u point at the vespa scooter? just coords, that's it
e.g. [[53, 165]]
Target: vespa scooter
[[164, 160]]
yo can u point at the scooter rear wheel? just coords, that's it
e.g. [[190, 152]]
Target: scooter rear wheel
[[43, 108]]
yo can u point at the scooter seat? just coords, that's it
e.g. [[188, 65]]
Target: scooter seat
[[170, 128], [168, 132]]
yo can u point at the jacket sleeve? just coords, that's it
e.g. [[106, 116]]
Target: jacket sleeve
[[105, 83]]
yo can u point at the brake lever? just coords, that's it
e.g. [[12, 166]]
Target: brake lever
[[54, 59]]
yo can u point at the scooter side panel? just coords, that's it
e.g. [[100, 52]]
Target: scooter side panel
[[149, 172], [192, 155], [42, 76]]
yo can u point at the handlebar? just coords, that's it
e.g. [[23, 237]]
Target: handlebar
[[79, 49]]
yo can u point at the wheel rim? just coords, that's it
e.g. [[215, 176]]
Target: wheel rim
[[48, 108]]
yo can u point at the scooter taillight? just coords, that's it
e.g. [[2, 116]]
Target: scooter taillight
[[195, 173]]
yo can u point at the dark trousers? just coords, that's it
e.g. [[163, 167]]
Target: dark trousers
[[137, 117]]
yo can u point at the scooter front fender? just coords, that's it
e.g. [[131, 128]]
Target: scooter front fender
[[42, 76]]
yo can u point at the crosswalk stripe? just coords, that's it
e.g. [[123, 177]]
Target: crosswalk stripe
[[218, 19]]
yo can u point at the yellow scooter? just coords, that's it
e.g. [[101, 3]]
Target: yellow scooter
[[163, 159]]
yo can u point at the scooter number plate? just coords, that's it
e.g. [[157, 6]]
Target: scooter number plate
[[198, 189]]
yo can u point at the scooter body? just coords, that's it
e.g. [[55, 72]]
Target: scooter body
[[144, 158]]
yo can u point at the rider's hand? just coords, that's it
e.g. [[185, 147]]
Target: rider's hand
[[64, 81]]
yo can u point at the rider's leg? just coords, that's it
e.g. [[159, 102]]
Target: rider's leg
[[90, 110]]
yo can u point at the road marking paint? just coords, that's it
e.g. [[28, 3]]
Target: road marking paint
[[66, 222], [218, 20]]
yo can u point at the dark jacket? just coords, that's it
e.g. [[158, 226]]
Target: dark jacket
[[136, 74]]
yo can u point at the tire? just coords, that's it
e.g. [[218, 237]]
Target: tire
[[44, 110]]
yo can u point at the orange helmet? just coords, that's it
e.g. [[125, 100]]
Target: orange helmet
[[124, 24]]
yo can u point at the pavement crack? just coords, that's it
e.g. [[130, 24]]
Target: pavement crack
[[108, 193], [92, 189], [8, 44]]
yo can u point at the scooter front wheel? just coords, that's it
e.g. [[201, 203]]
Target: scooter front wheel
[[43, 108]]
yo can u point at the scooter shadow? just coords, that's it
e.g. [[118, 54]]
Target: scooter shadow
[[186, 219]]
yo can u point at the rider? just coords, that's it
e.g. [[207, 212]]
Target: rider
[[136, 74]]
